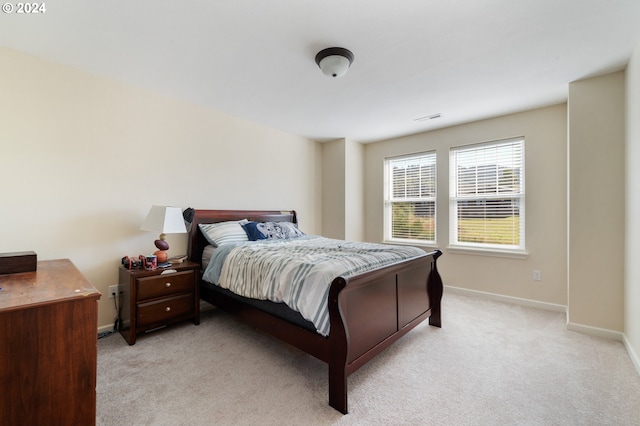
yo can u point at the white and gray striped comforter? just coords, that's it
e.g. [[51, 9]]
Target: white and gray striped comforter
[[298, 271]]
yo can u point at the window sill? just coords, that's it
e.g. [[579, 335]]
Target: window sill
[[425, 246], [510, 254]]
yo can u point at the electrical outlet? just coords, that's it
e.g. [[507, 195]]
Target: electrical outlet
[[113, 289], [537, 275]]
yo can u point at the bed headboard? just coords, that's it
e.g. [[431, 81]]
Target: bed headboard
[[197, 242]]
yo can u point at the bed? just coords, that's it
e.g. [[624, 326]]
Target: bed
[[367, 312]]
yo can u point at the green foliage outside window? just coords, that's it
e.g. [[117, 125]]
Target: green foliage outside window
[[414, 221], [490, 230]]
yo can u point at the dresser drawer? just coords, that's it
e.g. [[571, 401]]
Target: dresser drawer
[[165, 309], [164, 285]]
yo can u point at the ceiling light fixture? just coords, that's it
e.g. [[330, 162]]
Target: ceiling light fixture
[[334, 61]]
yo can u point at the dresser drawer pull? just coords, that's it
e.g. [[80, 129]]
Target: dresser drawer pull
[[168, 308], [167, 285]]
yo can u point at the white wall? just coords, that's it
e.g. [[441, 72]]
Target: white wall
[[83, 159], [596, 202], [632, 249], [545, 132]]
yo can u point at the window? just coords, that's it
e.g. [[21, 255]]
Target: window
[[487, 195], [410, 198]]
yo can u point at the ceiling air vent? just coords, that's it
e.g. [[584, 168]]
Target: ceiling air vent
[[428, 117]]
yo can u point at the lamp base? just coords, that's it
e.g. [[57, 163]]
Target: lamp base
[[162, 246]]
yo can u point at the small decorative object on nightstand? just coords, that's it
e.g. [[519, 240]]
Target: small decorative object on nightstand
[[165, 220], [155, 299]]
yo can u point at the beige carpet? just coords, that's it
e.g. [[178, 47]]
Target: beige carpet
[[491, 364]]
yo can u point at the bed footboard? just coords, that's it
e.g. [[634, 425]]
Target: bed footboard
[[371, 311]]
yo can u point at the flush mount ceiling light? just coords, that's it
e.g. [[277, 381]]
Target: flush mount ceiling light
[[334, 61]]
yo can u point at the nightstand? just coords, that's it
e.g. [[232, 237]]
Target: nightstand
[[155, 299]]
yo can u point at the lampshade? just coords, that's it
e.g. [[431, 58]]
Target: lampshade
[[165, 220], [334, 61]]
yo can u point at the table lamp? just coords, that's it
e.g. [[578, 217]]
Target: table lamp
[[165, 220]]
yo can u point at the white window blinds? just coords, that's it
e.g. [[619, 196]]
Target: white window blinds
[[410, 205], [487, 195]]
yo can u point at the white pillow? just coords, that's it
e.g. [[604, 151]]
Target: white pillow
[[224, 232]]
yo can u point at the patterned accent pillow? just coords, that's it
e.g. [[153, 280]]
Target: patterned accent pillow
[[290, 230], [224, 232], [271, 230]]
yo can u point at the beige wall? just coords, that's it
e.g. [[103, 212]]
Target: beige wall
[[333, 189], [632, 252], [83, 159], [354, 191], [596, 202], [342, 190], [545, 132]]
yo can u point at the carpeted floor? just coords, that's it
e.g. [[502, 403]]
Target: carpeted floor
[[492, 363]]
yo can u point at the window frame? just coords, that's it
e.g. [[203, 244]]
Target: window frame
[[390, 200], [516, 197]]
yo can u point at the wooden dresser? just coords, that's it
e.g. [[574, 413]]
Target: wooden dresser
[[48, 346]]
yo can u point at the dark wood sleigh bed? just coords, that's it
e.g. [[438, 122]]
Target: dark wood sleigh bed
[[368, 312]]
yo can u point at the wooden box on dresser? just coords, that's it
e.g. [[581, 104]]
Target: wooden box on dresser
[[157, 298], [48, 346]]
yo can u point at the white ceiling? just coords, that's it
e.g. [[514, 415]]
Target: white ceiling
[[465, 59]]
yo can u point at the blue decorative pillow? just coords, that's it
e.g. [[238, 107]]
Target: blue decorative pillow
[[252, 231]]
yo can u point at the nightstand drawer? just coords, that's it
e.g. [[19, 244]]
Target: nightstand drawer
[[164, 285], [165, 309]]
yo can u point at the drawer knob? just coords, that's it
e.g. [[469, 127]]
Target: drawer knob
[[168, 308], [167, 285]]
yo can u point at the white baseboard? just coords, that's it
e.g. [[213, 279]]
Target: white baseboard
[[595, 331], [508, 299], [580, 328], [632, 354], [105, 328]]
